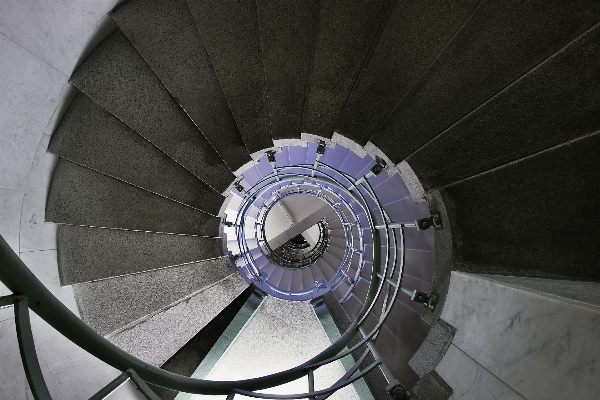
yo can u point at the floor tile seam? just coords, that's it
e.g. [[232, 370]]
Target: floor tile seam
[[135, 230], [32, 54], [175, 98], [414, 85], [517, 161], [149, 316], [491, 373], [133, 184], [149, 271], [507, 88]]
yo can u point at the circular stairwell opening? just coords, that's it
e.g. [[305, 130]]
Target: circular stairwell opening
[[296, 230]]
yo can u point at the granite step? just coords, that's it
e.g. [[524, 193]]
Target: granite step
[[231, 36], [411, 39], [165, 34], [80, 196], [552, 105], [288, 32], [91, 136], [347, 31], [499, 43], [161, 335], [110, 304], [118, 78], [87, 254]]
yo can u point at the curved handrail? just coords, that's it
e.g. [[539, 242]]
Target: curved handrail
[[21, 281]]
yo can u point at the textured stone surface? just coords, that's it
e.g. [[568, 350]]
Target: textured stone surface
[[347, 31], [110, 304], [118, 78], [87, 254], [165, 33], [529, 218], [288, 32], [158, 338], [91, 136], [553, 104], [429, 389], [80, 196], [412, 38], [499, 43], [231, 35], [433, 349]]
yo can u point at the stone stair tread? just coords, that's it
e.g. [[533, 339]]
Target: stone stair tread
[[520, 114], [80, 196], [87, 254], [288, 32], [483, 59], [165, 34], [91, 136], [110, 304], [413, 36], [231, 36], [118, 78], [162, 335], [347, 31]]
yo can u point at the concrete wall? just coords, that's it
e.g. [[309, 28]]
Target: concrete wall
[[40, 45]]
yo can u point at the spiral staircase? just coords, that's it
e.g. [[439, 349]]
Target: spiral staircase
[[194, 119]]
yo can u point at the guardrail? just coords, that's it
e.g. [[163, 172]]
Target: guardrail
[[30, 294]]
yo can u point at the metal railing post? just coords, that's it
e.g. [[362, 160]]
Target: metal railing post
[[31, 364]]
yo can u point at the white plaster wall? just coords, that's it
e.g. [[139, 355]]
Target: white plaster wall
[[515, 341], [41, 43]]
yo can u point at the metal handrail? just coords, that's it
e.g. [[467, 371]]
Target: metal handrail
[[30, 293]]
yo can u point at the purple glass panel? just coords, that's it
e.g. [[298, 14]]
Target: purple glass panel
[[419, 240], [264, 167], [419, 265], [355, 166], [282, 159], [297, 155], [311, 153], [378, 179], [405, 210], [407, 325], [396, 355], [251, 176], [392, 189], [335, 157]]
